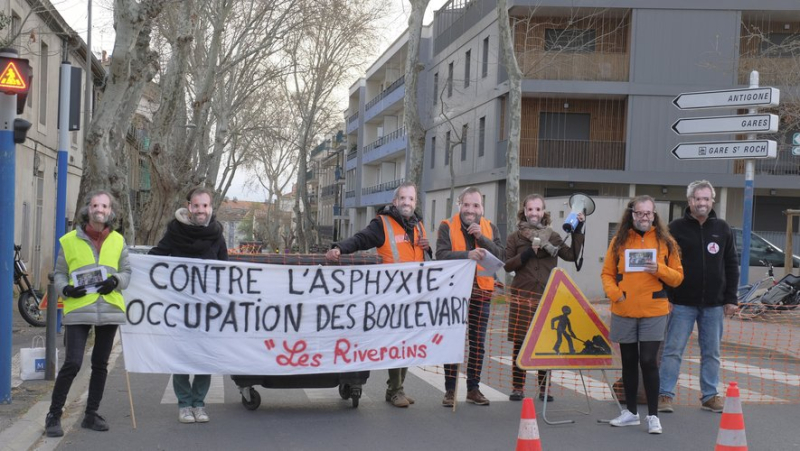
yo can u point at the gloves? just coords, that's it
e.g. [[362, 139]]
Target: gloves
[[550, 249], [74, 292], [107, 286]]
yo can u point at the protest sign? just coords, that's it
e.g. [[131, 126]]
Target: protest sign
[[189, 316]]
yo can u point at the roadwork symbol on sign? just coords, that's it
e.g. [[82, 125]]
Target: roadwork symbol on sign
[[566, 332]]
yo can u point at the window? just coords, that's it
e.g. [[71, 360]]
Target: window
[[16, 24], [447, 148], [564, 126], [464, 129], [569, 40], [481, 136], [485, 62], [433, 152], [435, 88], [43, 80], [780, 45], [467, 63], [450, 80]]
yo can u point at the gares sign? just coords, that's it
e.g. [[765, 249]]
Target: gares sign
[[15, 76]]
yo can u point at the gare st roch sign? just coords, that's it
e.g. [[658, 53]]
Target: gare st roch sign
[[735, 124]]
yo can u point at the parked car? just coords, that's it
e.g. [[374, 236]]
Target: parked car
[[762, 250]]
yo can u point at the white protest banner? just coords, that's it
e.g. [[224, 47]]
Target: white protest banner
[[189, 316]]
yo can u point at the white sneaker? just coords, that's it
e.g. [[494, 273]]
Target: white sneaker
[[200, 415], [653, 424], [185, 415], [626, 419]]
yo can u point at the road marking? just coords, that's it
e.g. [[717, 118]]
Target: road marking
[[434, 375], [216, 392], [693, 383], [763, 373], [571, 380]]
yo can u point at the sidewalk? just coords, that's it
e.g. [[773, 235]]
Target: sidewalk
[[22, 421]]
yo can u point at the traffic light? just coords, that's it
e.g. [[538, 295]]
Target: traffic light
[[15, 78]]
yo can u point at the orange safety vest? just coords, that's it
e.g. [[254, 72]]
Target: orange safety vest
[[459, 243], [397, 245]]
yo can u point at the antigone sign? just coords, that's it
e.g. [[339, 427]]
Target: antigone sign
[[753, 123], [726, 150], [730, 98]]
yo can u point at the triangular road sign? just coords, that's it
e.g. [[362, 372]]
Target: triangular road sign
[[566, 332], [11, 78]]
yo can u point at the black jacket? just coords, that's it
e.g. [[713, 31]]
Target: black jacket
[[373, 237], [710, 264], [184, 239]]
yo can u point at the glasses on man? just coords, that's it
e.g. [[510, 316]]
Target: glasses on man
[[642, 214]]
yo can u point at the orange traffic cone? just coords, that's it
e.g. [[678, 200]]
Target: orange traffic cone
[[731, 435], [528, 437]]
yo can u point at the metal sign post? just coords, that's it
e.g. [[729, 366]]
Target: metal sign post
[[13, 80]]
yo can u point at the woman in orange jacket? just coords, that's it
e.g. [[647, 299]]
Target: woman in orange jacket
[[641, 262]]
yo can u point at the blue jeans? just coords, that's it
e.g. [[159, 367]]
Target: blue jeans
[[479, 309], [709, 335], [191, 394]]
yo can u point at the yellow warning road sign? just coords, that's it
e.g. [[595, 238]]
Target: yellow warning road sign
[[566, 332], [10, 78]]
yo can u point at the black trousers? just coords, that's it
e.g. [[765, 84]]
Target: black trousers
[[75, 339]]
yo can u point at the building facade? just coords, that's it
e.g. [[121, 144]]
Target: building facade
[[39, 33]]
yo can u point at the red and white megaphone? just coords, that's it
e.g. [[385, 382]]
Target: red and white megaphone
[[579, 203]]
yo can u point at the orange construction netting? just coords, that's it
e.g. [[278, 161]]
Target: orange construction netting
[[761, 353]]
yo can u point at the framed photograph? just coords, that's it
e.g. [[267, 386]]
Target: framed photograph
[[636, 259], [88, 278]]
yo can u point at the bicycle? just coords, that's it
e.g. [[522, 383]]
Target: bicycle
[[29, 299], [749, 296]]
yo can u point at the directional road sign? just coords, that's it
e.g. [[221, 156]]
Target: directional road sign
[[727, 150], [753, 123], [731, 98]]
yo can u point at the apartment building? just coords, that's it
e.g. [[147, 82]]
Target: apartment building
[[45, 39], [598, 86]]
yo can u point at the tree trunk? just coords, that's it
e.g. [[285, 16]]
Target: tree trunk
[[133, 65], [509, 60], [415, 132]]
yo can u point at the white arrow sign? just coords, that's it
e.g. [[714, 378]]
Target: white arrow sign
[[727, 150], [731, 98], [754, 123]]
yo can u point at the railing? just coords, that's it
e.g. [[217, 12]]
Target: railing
[[392, 87], [351, 155], [329, 190], [350, 194], [551, 153], [352, 118], [382, 187], [399, 133], [784, 164], [554, 65]]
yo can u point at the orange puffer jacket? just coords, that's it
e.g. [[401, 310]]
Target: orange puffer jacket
[[645, 294]]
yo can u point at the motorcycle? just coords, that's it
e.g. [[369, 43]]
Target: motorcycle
[[29, 299]]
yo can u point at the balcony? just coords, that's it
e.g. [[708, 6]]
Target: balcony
[[543, 65], [550, 153], [311, 177], [330, 190], [784, 164], [386, 98], [350, 199], [352, 123], [385, 147], [380, 194]]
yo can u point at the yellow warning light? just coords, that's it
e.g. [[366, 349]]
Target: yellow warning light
[[14, 76]]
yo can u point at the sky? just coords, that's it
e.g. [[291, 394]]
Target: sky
[[75, 12]]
